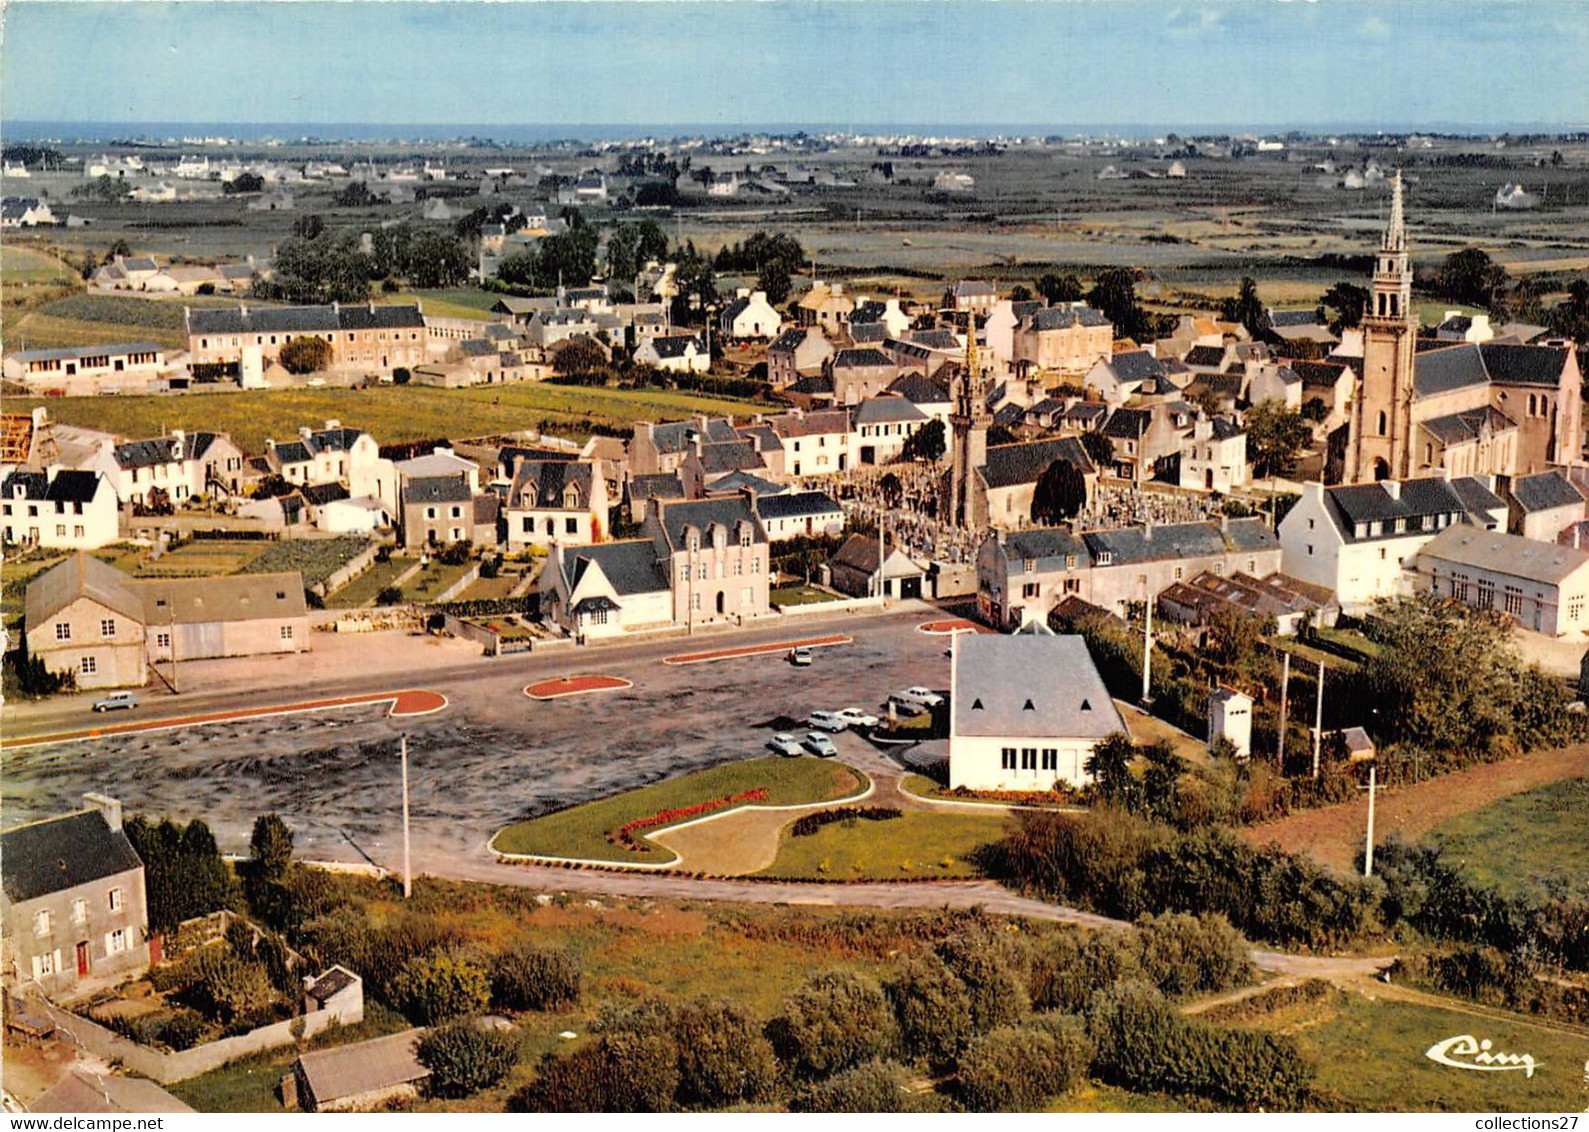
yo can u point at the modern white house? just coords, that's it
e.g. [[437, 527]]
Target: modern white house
[[1540, 585], [1026, 711], [675, 353]]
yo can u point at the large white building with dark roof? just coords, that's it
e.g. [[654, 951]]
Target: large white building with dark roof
[[63, 510], [1540, 585], [364, 337], [1026, 711]]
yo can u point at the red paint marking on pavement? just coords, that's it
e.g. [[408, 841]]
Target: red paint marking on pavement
[[754, 650], [407, 703], [958, 625], [574, 686]]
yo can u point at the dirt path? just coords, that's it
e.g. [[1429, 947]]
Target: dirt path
[[1334, 834]]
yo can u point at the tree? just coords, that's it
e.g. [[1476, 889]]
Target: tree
[[437, 259], [724, 1059], [309, 226], [579, 357], [1570, 318], [464, 1058], [1020, 293], [270, 848], [927, 444], [1276, 437], [932, 1008], [1060, 494], [1099, 448], [518, 269], [1000, 434], [623, 252], [1016, 1068], [305, 354], [1349, 302], [835, 1020], [184, 874], [1109, 767], [567, 259], [1160, 795], [1471, 276], [535, 978], [891, 489], [775, 280], [1059, 288], [1247, 308], [1114, 293], [244, 183], [994, 992], [433, 988]]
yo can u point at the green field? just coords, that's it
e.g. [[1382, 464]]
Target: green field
[[800, 595], [315, 559], [582, 831], [911, 845], [1371, 1054], [362, 590], [85, 318], [391, 414], [1528, 844], [452, 302], [432, 580]]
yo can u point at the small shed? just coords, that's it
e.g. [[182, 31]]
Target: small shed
[[357, 1077], [1230, 717], [1359, 747]]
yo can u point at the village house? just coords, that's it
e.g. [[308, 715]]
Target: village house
[[857, 569], [1026, 711], [674, 353], [72, 902], [360, 1076], [25, 212], [84, 371], [881, 312], [974, 295], [1145, 440], [554, 501], [435, 511], [58, 509], [883, 425], [708, 464], [1118, 377], [715, 553], [1275, 381], [606, 589], [364, 338], [749, 315], [1541, 507], [1067, 339], [797, 353], [661, 448], [926, 394], [815, 443], [1214, 456], [797, 514], [334, 454], [858, 373], [640, 491], [1542, 586], [825, 306], [85, 616], [998, 331], [179, 466]]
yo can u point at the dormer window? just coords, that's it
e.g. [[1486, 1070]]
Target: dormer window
[[1105, 558], [1031, 565], [1028, 706]]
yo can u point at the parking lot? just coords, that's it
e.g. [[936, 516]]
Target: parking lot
[[492, 757]]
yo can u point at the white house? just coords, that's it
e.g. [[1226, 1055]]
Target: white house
[[883, 424], [1540, 585], [75, 371], [1214, 456], [606, 589], [63, 510], [750, 315], [1361, 541], [791, 514], [554, 501], [1026, 711], [675, 353], [182, 466]]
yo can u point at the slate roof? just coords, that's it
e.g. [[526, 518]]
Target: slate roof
[[1009, 415], [969, 287], [1225, 429], [1458, 428], [869, 311], [1063, 318], [739, 480], [1285, 319], [320, 494], [1477, 497], [549, 479], [676, 345], [862, 357], [1010, 464], [72, 353], [333, 981], [235, 597], [789, 341], [868, 332], [1128, 424], [1206, 356], [60, 853], [1371, 503], [676, 436], [919, 390], [80, 575], [478, 348], [1317, 375], [351, 1070], [1039, 686], [1085, 412], [148, 453], [436, 489], [662, 486], [824, 422], [68, 486], [290, 320], [1524, 365], [796, 505], [667, 528], [938, 338], [1456, 366], [631, 565], [1501, 553], [730, 456], [813, 385], [1545, 491], [1179, 540], [1049, 547], [887, 410], [1135, 365]]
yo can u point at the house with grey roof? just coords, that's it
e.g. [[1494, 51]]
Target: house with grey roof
[[715, 551], [435, 511], [1541, 507], [359, 1076], [674, 353], [181, 466], [365, 338], [639, 491], [1542, 586], [796, 353], [883, 425], [1068, 339], [335, 454], [72, 902], [551, 501], [1214, 456], [749, 315], [661, 448], [975, 295], [796, 514], [861, 567], [1118, 377], [1026, 711], [79, 371], [605, 589], [859, 372], [58, 508]]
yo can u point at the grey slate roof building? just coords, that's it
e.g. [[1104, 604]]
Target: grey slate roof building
[[919, 390], [1207, 357], [60, 853], [1178, 540], [631, 565], [436, 489], [795, 505], [1029, 685], [1048, 548], [1545, 491], [887, 410], [738, 481], [1370, 511], [1470, 424], [666, 485], [670, 529], [68, 486], [302, 320], [1011, 464], [1063, 318], [546, 483], [161, 449], [359, 1074]]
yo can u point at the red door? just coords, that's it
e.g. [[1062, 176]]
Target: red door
[[82, 960]]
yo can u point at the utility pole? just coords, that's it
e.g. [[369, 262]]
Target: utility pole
[[1147, 645], [1318, 720], [882, 556], [1285, 688], [1368, 844], [408, 875], [171, 605]]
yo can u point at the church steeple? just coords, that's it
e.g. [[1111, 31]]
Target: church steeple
[[1381, 436], [1395, 239], [963, 507]]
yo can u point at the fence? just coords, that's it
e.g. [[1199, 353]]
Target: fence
[[465, 580], [345, 573]]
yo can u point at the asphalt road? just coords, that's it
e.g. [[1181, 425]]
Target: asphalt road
[[492, 757]]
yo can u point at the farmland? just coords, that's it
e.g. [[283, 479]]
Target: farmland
[[393, 414], [315, 559], [1526, 843]]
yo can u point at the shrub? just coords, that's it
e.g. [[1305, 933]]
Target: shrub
[[723, 1057], [182, 1030], [875, 1086], [574, 1083], [1187, 955], [1015, 1068], [932, 1008], [810, 823], [836, 1020], [535, 978], [995, 993], [430, 989], [305, 354], [463, 1058], [389, 595]]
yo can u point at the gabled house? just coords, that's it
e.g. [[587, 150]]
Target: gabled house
[[974, 295], [334, 454], [181, 466], [435, 511], [882, 426], [796, 353], [858, 373], [1131, 564], [551, 501], [1118, 377], [926, 394], [1214, 456], [715, 553], [607, 588], [707, 464], [1540, 585], [1002, 488], [749, 315], [365, 338], [814, 443], [63, 510], [1066, 339], [858, 569], [795, 514], [674, 353], [1541, 507], [661, 448]]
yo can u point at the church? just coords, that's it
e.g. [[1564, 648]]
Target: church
[[1423, 406]]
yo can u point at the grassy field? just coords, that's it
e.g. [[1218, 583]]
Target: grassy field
[[911, 845], [1526, 844], [362, 590], [432, 580], [800, 595], [201, 558], [582, 831], [453, 302], [85, 318], [1371, 1053], [391, 414]]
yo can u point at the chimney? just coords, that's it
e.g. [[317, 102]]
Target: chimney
[[178, 444], [331, 425], [1392, 488], [242, 310], [270, 445], [305, 432], [109, 807]]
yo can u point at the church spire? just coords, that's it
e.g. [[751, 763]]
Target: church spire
[[1396, 233]]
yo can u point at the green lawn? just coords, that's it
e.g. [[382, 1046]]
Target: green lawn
[[911, 845], [1371, 1054], [800, 595], [362, 590], [392, 414], [1527, 844], [202, 558], [451, 302], [433, 580], [582, 831]]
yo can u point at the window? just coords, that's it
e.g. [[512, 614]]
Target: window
[[1028, 758], [703, 571], [1031, 565], [41, 923], [77, 532], [1382, 422], [1177, 573], [599, 617], [1072, 585], [60, 530], [1007, 759], [1050, 758], [430, 512], [89, 666], [1514, 601], [162, 640], [286, 632], [114, 898], [1382, 554], [457, 513], [1031, 590], [43, 965], [107, 627], [63, 631], [1486, 594], [1310, 524], [1574, 609], [571, 526], [695, 601], [79, 911], [116, 941]]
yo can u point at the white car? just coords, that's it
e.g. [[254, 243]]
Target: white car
[[855, 717], [818, 743], [786, 744], [922, 697], [827, 721], [117, 701]]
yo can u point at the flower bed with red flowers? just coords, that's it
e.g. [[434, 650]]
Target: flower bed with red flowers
[[625, 835]]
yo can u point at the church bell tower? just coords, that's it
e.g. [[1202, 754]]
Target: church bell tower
[[969, 422], [1381, 438]]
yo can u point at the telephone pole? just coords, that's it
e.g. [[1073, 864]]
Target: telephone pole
[[1285, 688], [1318, 720], [1368, 844], [408, 874], [1147, 646]]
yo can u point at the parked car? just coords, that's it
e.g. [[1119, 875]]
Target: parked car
[[855, 717], [116, 701], [800, 657], [786, 744], [818, 743], [922, 697], [827, 721]]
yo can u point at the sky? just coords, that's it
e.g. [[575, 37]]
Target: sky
[[1396, 64]]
